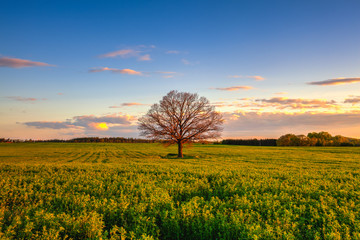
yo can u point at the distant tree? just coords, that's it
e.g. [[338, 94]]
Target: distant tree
[[180, 118], [322, 138], [341, 141], [288, 140], [250, 142], [303, 140]]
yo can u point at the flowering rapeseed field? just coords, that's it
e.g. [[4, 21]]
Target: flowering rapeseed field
[[141, 191]]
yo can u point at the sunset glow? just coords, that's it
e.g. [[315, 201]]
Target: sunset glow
[[270, 68], [99, 126]]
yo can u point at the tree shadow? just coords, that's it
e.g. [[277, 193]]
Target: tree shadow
[[175, 156]]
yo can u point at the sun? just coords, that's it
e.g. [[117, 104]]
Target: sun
[[99, 126], [102, 126]]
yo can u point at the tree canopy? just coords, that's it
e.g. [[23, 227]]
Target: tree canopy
[[181, 117]]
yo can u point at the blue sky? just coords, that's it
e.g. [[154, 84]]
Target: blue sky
[[62, 61]]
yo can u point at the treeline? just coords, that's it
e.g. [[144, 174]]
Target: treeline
[[311, 139], [250, 142], [85, 140], [316, 139]]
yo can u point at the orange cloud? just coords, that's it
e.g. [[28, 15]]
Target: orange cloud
[[128, 105], [131, 52], [146, 57], [257, 78], [114, 70], [235, 88], [23, 99], [122, 53], [336, 81], [128, 71], [20, 63], [132, 104], [298, 103]]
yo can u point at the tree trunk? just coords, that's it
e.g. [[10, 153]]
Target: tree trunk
[[180, 147]]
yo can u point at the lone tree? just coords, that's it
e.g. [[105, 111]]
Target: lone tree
[[180, 118]]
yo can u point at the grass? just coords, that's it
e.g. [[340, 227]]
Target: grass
[[142, 191]]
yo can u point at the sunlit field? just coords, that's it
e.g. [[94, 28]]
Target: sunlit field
[[142, 191]]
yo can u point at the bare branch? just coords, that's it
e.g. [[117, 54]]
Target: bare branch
[[181, 117]]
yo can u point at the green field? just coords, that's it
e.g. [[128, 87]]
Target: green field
[[139, 191]]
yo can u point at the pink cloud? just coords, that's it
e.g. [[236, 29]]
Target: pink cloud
[[235, 88], [122, 53], [146, 57], [257, 78], [131, 52], [132, 104], [20, 63], [276, 124], [114, 70], [128, 105], [297, 103], [24, 99], [168, 76], [336, 81]]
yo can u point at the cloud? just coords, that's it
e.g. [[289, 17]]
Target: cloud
[[336, 81], [257, 78], [172, 52], [115, 70], [298, 103], [132, 104], [24, 99], [122, 53], [281, 93], [221, 104], [146, 57], [187, 62], [52, 125], [266, 119], [99, 126], [20, 63], [283, 104], [276, 124], [114, 119], [235, 88], [131, 52], [86, 122], [167, 74], [161, 72], [184, 61], [353, 100], [128, 105]]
